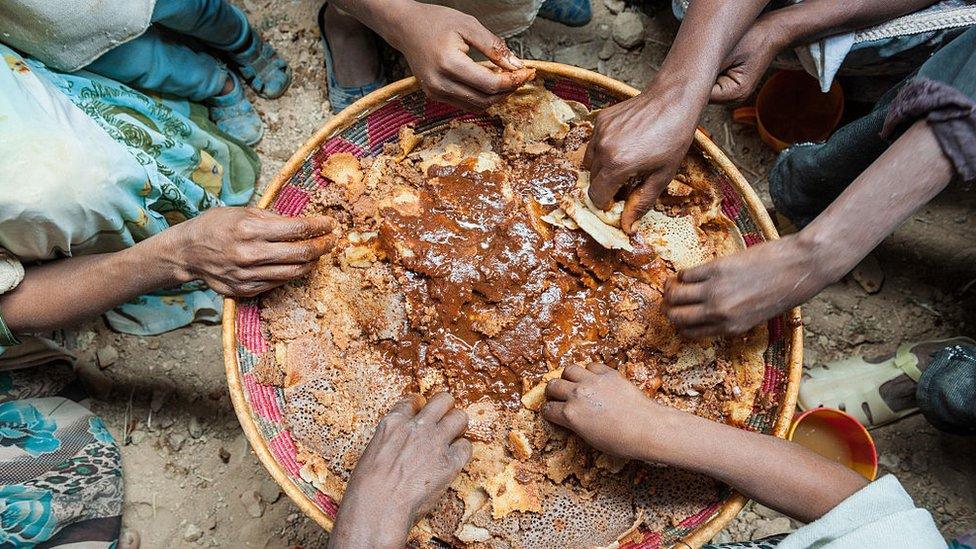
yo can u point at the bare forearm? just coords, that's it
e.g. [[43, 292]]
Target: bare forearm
[[813, 19], [711, 28], [793, 480], [64, 292], [378, 15], [904, 178]]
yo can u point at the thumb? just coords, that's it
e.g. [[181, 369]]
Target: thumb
[[642, 199], [722, 90], [493, 47]]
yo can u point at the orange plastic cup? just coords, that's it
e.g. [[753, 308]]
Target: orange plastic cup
[[790, 108], [837, 436]]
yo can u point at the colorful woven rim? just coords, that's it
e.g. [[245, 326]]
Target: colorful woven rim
[[263, 405]]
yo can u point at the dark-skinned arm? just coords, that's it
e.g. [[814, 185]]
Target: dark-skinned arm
[[647, 136], [731, 294], [793, 25], [414, 455], [435, 41], [793, 480], [236, 251]]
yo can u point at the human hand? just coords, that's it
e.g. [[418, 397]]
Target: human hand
[[746, 64], [414, 455], [644, 137], [605, 409], [242, 252], [435, 41], [729, 295]]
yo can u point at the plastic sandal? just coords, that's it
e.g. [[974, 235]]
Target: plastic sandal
[[572, 13], [234, 115], [341, 96], [262, 68], [854, 384]]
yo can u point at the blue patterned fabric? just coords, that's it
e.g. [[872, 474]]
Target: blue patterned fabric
[[26, 517], [109, 167], [24, 426], [60, 468]]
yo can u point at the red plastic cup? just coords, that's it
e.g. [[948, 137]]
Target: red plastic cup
[[838, 436]]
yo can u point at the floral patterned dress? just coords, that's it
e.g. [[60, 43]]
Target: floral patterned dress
[[88, 165]]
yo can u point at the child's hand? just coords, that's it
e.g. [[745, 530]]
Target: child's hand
[[747, 63], [435, 41], [604, 408]]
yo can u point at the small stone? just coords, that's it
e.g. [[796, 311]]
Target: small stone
[[615, 6], [159, 396], [292, 517], [252, 503], [135, 437], [583, 55], [722, 537], [192, 533], [211, 523], [603, 31], [269, 491], [195, 427], [165, 421], [153, 344], [609, 48], [766, 512], [175, 441], [771, 527], [536, 49], [98, 385], [106, 356], [628, 29], [869, 274], [810, 357], [889, 461], [223, 454]]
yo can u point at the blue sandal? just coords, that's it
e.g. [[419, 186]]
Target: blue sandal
[[341, 96], [234, 115], [262, 68], [572, 13]]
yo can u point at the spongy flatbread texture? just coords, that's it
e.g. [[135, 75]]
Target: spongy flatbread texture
[[529, 484]]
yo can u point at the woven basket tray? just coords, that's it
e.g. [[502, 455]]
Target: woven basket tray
[[362, 129]]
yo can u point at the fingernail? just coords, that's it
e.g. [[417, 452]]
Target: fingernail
[[515, 61]]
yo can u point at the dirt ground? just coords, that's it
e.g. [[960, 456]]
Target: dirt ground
[[191, 479]]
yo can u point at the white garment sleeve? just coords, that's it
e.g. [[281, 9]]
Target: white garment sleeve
[[881, 514], [11, 271]]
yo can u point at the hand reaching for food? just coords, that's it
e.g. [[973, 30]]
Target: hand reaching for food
[[603, 407], [643, 139], [435, 41], [731, 294], [415, 453], [242, 252]]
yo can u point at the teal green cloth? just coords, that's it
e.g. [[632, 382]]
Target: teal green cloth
[[89, 165]]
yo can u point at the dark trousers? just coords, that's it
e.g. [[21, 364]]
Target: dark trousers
[[807, 177]]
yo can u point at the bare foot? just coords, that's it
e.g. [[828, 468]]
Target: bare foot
[[415, 454], [732, 294], [355, 57]]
